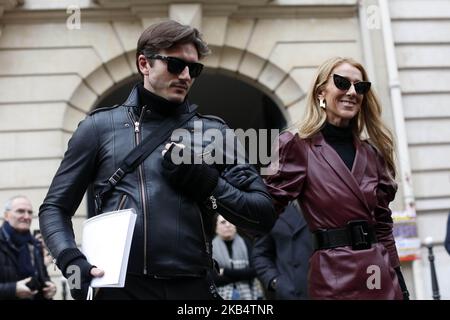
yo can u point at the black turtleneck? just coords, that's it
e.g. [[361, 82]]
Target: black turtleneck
[[157, 104], [341, 139]]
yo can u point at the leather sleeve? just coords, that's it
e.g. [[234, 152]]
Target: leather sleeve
[[386, 191], [286, 183], [249, 208], [68, 187]]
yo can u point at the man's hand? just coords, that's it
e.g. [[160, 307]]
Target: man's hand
[[49, 290], [195, 180], [22, 291], [87, 272], [240, 176], [78, 272]]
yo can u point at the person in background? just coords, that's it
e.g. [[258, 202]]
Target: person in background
[[236, 279], [23, 274], [47, 257], [281, 258], [340, 166]]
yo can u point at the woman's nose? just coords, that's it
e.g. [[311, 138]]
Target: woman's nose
[[351, 91]]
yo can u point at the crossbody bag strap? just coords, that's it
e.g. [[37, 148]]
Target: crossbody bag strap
[[134, 158]]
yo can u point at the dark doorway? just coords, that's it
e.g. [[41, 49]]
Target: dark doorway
[[240, 104]]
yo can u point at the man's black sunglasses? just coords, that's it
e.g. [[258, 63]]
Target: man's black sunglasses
[[342, 83], [177, 65]]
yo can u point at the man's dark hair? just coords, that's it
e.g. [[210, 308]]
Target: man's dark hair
[[167, 34]]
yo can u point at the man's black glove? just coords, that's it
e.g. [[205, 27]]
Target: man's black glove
[[195, 180], [402, 283], [74, 264], [240, 176]]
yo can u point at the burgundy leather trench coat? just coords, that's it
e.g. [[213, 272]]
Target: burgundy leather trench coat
[[330, 195]]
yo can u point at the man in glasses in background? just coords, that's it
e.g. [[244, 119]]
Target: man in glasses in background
[[23, 274], [170, 254]]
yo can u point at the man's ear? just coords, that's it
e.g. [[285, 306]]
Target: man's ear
[[6, 215], [143, 64]]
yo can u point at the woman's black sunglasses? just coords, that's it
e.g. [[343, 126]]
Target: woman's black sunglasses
[[342, 83], [177, 65]]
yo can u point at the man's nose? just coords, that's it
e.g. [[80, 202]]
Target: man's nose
[[185, 74]]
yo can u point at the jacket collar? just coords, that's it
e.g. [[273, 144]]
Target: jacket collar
[[133, 98], [293, 218], [134, 103], [351, 178]]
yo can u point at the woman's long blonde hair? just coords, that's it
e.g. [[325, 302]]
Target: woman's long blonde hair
[[367, 121]]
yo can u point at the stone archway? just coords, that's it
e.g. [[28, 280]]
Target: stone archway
[[245, 66]]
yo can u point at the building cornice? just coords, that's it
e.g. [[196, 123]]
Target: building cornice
[[131, 3], [233, 9], [47, 16], [296, 11]]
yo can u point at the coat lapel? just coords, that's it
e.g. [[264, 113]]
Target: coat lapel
[[359, 165], [293, 219], [351, 179]]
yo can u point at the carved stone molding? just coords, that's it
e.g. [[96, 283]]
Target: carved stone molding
[[247, 8], [129, 3], [154, 10], [8, 5], [188, 13]]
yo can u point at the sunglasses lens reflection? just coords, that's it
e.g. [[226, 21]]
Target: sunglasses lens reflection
[[176, 66], [342, 83], [362, 87], [195, 69]]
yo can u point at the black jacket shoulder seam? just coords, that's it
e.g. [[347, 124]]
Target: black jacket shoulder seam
[[211, 117], [103, 109]]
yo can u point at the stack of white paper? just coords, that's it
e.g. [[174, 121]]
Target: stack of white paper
[[106, 243]]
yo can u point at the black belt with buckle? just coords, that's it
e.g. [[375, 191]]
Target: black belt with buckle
[[358, 234]]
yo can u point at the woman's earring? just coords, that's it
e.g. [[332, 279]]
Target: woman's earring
[[322, 103]]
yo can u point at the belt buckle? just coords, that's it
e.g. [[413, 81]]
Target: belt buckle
[[359, 234]]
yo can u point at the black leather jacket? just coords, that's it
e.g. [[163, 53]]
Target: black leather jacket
[[173, 233]]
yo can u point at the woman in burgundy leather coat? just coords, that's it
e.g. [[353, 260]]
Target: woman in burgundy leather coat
[[344, 183]]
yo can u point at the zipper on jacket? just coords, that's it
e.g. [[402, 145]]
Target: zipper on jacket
[[53, 262], [215, 204], [122, 202], [137, 139], [207, 243], [204, 234]]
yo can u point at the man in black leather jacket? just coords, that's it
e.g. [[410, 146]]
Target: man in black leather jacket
[[171, 249]]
